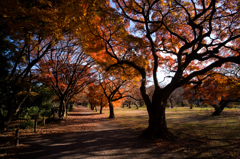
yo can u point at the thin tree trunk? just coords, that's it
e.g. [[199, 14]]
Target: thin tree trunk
[[1, 119], [17, 137], [101, 109], [60, 109], [21, 102], [71, 106], [111, 109], [171, 102], [9, 115], [96, 108], [64, 111], [43, 120], [136, 105], [35, 125]]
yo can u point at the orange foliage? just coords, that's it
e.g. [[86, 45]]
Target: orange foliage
[[96, 96], [214, 88]]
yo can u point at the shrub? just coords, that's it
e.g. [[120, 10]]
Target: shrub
[[46, 113], [26, 124], [205, 105]]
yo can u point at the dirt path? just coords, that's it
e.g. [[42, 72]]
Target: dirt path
[[105, 140]]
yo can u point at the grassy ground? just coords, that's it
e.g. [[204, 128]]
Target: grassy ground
[[199, 135]]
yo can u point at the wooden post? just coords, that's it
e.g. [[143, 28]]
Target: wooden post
[[35, 125], [17, 137]]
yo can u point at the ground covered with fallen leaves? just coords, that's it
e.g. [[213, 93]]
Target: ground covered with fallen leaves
[[80, 119]]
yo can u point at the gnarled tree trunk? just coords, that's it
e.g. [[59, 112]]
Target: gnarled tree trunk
[[156, 110], [157, 123], [219, 107]]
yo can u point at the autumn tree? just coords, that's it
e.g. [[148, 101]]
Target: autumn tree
[[219, 88], [96, 97], [111, 87], [133, 94], [67, 70], [34, 26], [16, 76], [185, 38], [31, 27]]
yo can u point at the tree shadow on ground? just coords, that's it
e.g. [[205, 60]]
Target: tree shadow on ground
[[105, 143], [83, 114]]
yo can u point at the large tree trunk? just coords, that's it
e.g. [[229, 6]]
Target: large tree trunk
[[219, 108], [156, 110], [157, 124], [111, 109]]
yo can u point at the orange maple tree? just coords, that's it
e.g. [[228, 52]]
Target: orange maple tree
[[186, 39], [111, 87], [34, 26], [96, 96], [219, 88], [67, 70]]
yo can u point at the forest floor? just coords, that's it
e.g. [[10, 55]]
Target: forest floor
[[88, 134]]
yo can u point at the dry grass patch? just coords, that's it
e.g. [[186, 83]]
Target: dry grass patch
[[199, 135]]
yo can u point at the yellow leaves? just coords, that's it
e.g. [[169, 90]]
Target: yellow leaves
[[24, 59], [23, 93], [34, 93]]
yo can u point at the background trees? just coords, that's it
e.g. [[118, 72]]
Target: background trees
[[37, 105], [111, 87], [66, 70], [96, 96], [219, 88], [30, 27]]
